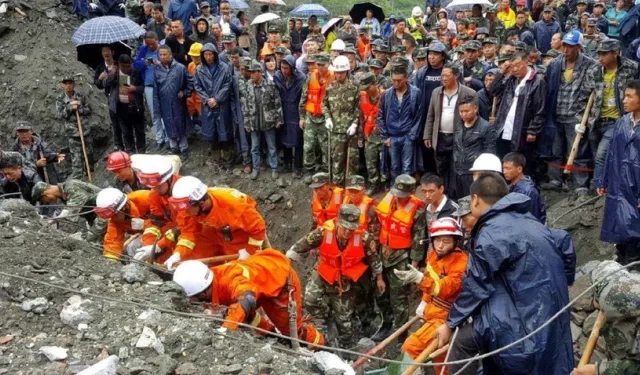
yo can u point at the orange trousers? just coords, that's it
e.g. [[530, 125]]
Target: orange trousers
[[420, 339]]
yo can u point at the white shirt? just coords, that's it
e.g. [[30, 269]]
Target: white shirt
[[507, 131], [448, 112], [440, 206]]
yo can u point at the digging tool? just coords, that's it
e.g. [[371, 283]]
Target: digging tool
[[494, 107], [422, 357], [346, 170], [44, 169], [84, 149], [576, 141], [329, 155], [293, 319], [593, 339], [214, 260], [362, 360], [446, 358]]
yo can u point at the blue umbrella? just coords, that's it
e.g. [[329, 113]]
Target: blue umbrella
[[106, 30], [308, 10], [238, 4]]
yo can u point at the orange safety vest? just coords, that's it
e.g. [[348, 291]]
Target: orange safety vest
[[364, 210], [316, 90], [335, 263], [369, 111], [324, 214], [395, 225]]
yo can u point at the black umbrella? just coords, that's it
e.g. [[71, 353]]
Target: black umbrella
[[91, 54], [359, 11]]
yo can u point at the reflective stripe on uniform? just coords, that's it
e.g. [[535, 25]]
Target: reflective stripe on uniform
[[245, 272], [256, 320], [170, 235], [152, 230], [186, 243], [356, 240], [111, 257], [254, 242], [436, 281]]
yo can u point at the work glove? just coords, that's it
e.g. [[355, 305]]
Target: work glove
[[293, 255], [122, 6], [579, 129], [144, 253], [420, 309], [173, 259], [352, 130], [93, 6], [137, 224], [243, 254], [328, 124], [412, 275]]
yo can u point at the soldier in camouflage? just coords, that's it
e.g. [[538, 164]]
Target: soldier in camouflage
[[340, 108], [68, 104], [370, 95], [489, 52], [243, 84], [592, 38], [79, 197], [573, 21], [334, 279], [618, 297], [467, 221], [37, 154], [473, 67], [377, 68]]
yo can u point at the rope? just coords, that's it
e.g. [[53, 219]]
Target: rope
[[338, 350], [575, 208]]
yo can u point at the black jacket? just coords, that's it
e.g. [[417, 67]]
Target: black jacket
[[470, 143], [24, 184], [530, 111], [485, 104], [172, 42], [136, 80]]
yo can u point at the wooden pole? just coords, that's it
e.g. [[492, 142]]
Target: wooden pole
[[218, 259], [44, 169], [362, 360], [593, 339], [346, 170], [493, 107], [422, 357], [84, 149], [576, 141]]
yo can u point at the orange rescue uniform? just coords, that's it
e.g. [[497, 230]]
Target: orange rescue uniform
[[396, 222], [317, 88], [322, 214], [232, 224], [441, 285], [138, 202], [194, 103], [369, 111], [264, 280]]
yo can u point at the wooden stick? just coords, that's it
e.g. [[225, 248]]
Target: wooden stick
[[84, 149], [346, 171], [218, 259], [493, 107], [422, 357], [439, 352], [44, 169], [576, 141], [362, 360], [593, 339]]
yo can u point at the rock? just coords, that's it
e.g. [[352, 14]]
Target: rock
[[20, 57], [54, 353], [150, 317], [75, 369], [4, 217], [264, 369], [148, 339], [280, 182], [364, 345], [576, 332], [38, 305], [231, 369], [123, 352], [132, 273], [51, 14], [585, 302], [187, 368], [166, 364], [590, 320], [334, 371], [578, 317], [75, 312], [275, 198], [4, 360], [107, 366], [325, 361], [77, 236], [597, 356]]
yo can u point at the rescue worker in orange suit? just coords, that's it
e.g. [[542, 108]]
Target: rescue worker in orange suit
[[194, 103], [125, 214], [312, 121], [365, 288], [370, 96], [119, 163], [326, 199], [214, 221], [440, 284], [264, 280], [402, 228], [345, 254]]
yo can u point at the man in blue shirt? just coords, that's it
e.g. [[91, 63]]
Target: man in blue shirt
[[183, 10]]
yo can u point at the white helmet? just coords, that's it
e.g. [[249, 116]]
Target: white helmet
[[446, 226], [341, 64], [337, 45], [193, 276], [109, 201], [186, 191], [487, 163], [416, 12], [153, 172]]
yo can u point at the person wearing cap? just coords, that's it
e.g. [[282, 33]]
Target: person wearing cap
[[400, 33], [389, 26], [591, 39], [77, 196], [17, 179], [513, 167], [485, 100], [440, 284], [351, 54], [36, 153], [340, 109], [326, 199], [377, 68], [506, 14], [608, 79], [416, 24], [69, 105], [370, 23], [312, 119], [473, 68], [544, 29], [402, 229], [489, 52], [566, 77], [207, 12], [380, 53], [370, 94], [119, 163], [549, 56], [281, 52], [496, 26], [331, 291], [598, 13], [573, 20], [428, 78], [273, 42], [194, 104], [364, 45], [419, 60], [467, 221]]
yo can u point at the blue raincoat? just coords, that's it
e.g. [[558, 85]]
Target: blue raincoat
[[290, 96], [527, 187], [515, 282], [565, 246], [215, 81], [621, 178], [167, 83]]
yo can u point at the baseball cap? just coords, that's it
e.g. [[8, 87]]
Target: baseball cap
[[572, 38]]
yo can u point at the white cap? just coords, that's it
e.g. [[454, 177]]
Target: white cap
[[341, 64], [338, 45], [111, 198], [487, 163], [193, 276], [189, 187], [416, 12]]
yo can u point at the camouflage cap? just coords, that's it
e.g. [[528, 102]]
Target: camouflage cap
[[68, 79], [319, 179], [504, 57], [380, 48], [475, 20], [310, 58], [323, 58], [472, 45], [482, 30], [11, 160], [398, 48], [23, 126], [349, 217], [541, 69], [37, 190], [464, 206], [490, 41], [273, 29], [492, 9], [464, 21], [282, 50], [548, 9], [376, 63], [609, 45], [458, 49], [286, 38], [599, 4], [245, 61], [255, 66], [463, 36], [228, 38], [403, 186], [362, 67], [421, 53], [349, 48], [356, 182], [400, 61], [581, 2], [520, 46], [592, 21]]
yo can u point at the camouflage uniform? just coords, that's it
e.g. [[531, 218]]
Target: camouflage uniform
[[573, 21], [341, 104], [477, 69], [373, 145], [65, 112], [384, 82], [619, 298], [243, 84], [315, 146], [341, 303]]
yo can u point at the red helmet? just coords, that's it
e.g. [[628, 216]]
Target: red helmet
[[118, 160]]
